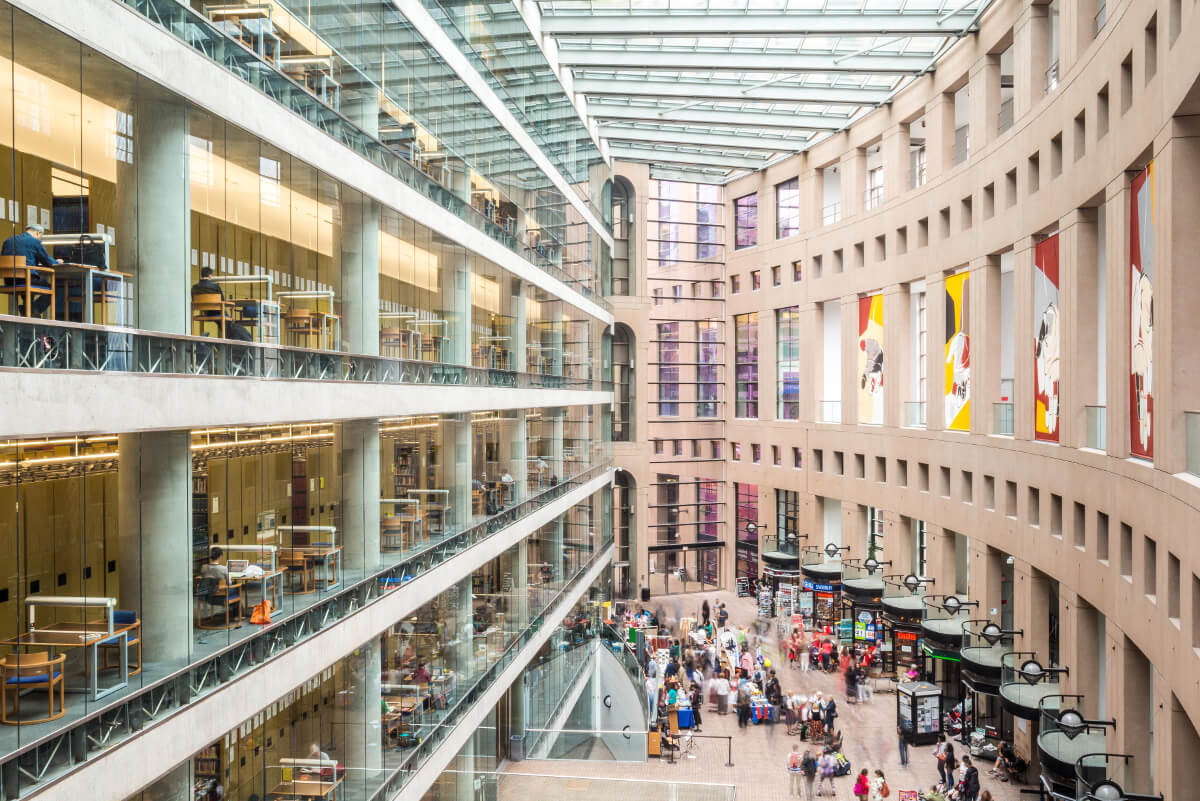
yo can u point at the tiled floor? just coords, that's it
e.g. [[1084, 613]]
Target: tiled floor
[[759, 753]]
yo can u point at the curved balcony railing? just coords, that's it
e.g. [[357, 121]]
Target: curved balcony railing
[[1064, 736], [814, 560], [30, 343], [1101, 777], [942, 623], [1024, 683], [897, 597], [857, 575], [983, 645]]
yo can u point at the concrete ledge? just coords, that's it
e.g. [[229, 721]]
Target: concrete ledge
[[46, 402]]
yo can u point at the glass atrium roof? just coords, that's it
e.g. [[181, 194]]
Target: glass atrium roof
[[720, 86]]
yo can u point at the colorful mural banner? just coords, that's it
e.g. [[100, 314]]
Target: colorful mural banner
[[1047, 340], [870, 359], [958, 353], [1141, 315]]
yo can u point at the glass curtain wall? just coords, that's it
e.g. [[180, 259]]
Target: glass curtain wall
[[787, 362], [745, 337]]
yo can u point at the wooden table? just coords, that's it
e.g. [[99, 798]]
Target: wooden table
[[400, 531], [88, 637], [114, 286], [306, 788], [272, 577], [304, 559]]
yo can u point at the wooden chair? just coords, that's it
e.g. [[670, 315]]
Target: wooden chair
[[302, 326], [211, 308], [124, 620], [16, 284], [34, 671], [215, 592]]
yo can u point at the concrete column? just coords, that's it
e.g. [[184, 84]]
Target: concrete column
[[811, 362], [895, 162], [516, 707], [458, 456], [853, 167], [940, 557], [464, 763], [175, 786], [935, 353], [1031, 599], [456, 293], [1077, 648], [849, 360], [519, 323], [1135, 710], [854, 529], [359, 241], [553, 539], [1031, 47], [357, 726], [1176, 291], [812, 192], [555, 459], [153, 238], [1023, 356], [361, 107], [1116, 225], [986, 332], [359, 456], [1076, 30], [984, 99], [897, 353], [1077, 384], [897, 543], [155, 567], [463, 652], [1177, 771], [521, 583], [518, 455], [987, 565], [939, 135]]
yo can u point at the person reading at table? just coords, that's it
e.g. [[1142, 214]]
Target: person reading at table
[[207, 286], [421, 674], [214, 569], [28, 244]]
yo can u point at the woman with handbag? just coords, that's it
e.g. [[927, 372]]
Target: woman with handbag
[[862, 785]]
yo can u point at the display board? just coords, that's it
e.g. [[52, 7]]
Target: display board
[[958, 353], [870, 359], [765, 605], [1141, 315], [743, 586], [1047, 340]]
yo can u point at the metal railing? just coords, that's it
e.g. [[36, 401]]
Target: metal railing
[[1097, 427], [1002, 419], [1191, 421], [1051, 82], [831, 214], [27, 768], [873, 198], [1004, 120], [198, 32], [30, 343], [914, 414]]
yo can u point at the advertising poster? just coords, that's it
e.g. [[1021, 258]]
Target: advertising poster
[[1141, 315], [870, 359], [1047, 341], [958, 354]]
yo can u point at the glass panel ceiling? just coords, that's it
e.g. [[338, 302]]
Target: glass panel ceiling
[[784, 74]]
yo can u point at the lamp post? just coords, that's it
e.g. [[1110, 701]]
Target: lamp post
[[1033, 672], [871, 565], [992, 633], [953, 604], [912, 582], [1072, 723], [832, 550]]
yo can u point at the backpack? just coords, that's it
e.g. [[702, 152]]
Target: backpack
[[884, 790], [809, 767]]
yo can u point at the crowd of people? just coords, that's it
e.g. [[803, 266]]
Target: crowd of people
[[726, 666]]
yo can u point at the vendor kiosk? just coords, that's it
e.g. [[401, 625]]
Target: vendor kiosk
[[941, 643], [822, 584], [862, 600], [919, 711], [902, 609]]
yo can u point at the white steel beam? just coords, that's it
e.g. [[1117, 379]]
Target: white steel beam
[[773, 93], [700, 116], [622, 151], [707, 60], [618, 25], [713, 138]]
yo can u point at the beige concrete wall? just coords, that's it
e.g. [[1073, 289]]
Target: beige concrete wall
[[966, 216]]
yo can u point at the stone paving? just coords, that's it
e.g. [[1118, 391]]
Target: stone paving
[[759, 753]]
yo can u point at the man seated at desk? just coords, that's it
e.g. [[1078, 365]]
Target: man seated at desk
[[207, 286], [29, 244], [214, 569], [421, 674]]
